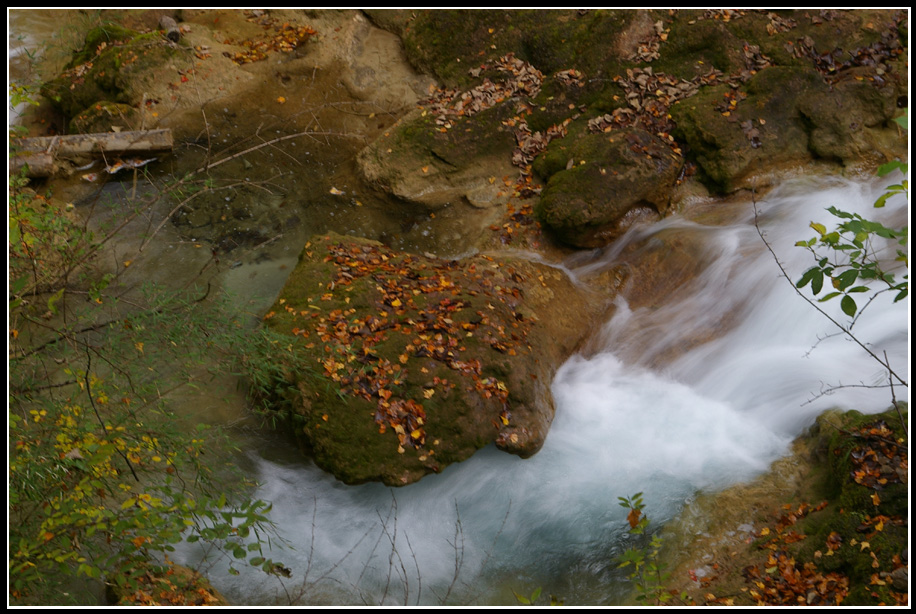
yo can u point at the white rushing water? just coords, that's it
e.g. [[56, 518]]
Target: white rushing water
[[716, 414]]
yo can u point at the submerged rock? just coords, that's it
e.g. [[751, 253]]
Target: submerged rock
[[398, 365], [420, 162]]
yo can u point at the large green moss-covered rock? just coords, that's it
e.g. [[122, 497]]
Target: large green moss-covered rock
[[109, 68], [397, 365], [607, 182], [783, 115]]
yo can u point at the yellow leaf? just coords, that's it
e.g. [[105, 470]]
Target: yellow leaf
[[127, 263], [281, 99], [139, 346], [428, 393], [863, 546], [875, 499], [879, 526], [396, 303], [416, 433], [764, 531], [324, 417]]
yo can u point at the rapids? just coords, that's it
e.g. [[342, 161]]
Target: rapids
[[635, 413]]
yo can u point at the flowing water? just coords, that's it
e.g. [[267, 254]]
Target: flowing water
[[699, 388], [638, 413]]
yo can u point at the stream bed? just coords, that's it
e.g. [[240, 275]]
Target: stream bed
[[695, 391]]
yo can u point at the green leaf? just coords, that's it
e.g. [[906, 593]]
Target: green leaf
[[846, 279], [521, 599], [817, 281], [848, 305], [52, 302], [890, 167]]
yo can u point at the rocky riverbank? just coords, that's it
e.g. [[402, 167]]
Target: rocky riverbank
[[826, 526]]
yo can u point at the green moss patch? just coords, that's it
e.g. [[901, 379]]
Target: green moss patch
[[103, 70]]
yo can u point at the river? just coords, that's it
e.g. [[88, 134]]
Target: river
[[690, 394], [637, 414]]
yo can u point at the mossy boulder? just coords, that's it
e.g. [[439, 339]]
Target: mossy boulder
[[601, 184], [783, 115], [397, 365], [449, 42], [864, 530], [107, 69], [827, 525], [694, 46]]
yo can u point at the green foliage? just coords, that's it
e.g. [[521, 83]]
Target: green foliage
[[855, 260], [648, 572], [105, 478], [46, 242], [852, 259], [535, 596], [103, 474], [21, 93]]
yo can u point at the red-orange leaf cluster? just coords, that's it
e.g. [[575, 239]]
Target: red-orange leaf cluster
[[281, 37], [785, 582]]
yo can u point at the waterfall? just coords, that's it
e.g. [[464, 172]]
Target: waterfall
[[655, 407]]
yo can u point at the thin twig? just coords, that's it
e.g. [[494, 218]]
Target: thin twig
[[98, 415], [307, 133]]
